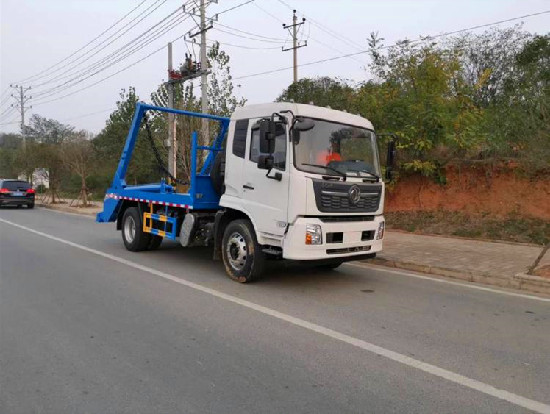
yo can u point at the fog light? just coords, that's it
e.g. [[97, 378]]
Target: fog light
[[314, 234], [380, 231]]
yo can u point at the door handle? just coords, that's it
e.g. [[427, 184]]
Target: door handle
[[248, 187]]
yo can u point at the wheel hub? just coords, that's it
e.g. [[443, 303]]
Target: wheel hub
[[129, 229], [236, 251]]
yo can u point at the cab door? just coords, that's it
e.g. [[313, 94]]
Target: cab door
[[266, 198]]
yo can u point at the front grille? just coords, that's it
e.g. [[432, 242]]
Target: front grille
[[333, 202], [334, 197], [349, 250], [337, 219]]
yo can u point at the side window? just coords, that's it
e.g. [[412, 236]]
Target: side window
[[280, 147], [239, 138]]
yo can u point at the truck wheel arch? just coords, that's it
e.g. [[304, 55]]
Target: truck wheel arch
[[124, 205], [222, 219]]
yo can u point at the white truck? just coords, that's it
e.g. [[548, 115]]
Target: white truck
[[281, 181]]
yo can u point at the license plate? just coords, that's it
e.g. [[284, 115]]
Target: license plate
[[18, 194]]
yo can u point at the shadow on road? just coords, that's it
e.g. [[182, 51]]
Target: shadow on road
[[278, 273]]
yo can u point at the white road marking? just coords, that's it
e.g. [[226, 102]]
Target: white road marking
[[450, 282], [476, 385]]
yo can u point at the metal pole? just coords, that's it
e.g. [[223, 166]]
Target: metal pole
[[205, 133], [295, 45], [22, 106], [172, 149]]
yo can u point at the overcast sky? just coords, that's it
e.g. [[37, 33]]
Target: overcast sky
[[36, 34]]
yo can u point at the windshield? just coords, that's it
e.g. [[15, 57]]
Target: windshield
[[336, 149]]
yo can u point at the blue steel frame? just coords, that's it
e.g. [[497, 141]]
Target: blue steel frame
[[201, 195]]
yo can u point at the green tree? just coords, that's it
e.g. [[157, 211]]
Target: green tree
[[321, 91], [109, 144], [419, 94]]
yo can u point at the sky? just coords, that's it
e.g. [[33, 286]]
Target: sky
[[39, 38]]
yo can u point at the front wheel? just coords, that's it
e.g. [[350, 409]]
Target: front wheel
[[133, 236], [242, 255]]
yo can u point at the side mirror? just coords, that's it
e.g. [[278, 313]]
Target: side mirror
[[267, 136], [304, 124], [265, 162], [390, 160]]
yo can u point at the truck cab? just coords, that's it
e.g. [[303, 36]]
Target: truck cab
[[321, 196]]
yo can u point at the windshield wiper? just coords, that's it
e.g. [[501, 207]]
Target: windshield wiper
[[373, 175], [326, 167]]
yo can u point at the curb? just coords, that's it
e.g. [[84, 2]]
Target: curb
[[521, 281], [533, 283], [66, 209]]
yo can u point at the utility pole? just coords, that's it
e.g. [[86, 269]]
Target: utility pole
[[21, 99], [204, 26], [204, 76], [172, 144], [188, 70], [295, 46]]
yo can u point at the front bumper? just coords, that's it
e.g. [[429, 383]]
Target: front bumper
[[294, 247]]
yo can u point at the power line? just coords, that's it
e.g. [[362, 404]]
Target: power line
[[83, 47], [240, 36], [428, 38], [268, 13], [12, 122], [309, 37], [110, 76], [250, 33], [346, 40], [235, 7], [112, 59], [239, 46], [86, 115], [88, 56]]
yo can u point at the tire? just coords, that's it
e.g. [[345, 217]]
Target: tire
[[155, 243], [242, 255], [217, 173], [133, 236], [30, 205]]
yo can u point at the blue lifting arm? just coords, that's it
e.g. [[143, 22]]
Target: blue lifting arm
[[200, 195]]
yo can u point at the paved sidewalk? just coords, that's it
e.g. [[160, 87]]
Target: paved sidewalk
[[496, 263]]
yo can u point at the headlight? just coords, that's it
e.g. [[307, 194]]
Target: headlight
[[314, 234], [380, 231]]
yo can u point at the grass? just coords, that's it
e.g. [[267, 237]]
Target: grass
[[481, 226]]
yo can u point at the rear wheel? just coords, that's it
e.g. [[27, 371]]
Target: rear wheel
[[133, 236], [30, 205], [242, 255]]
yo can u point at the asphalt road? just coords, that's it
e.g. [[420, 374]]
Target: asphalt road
[[88, 327]]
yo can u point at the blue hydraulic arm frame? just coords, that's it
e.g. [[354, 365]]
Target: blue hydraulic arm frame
[[201, 194]]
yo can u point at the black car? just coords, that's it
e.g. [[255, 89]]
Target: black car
[[16, 193]]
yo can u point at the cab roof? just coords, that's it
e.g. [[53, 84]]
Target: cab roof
[[310, 111]]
